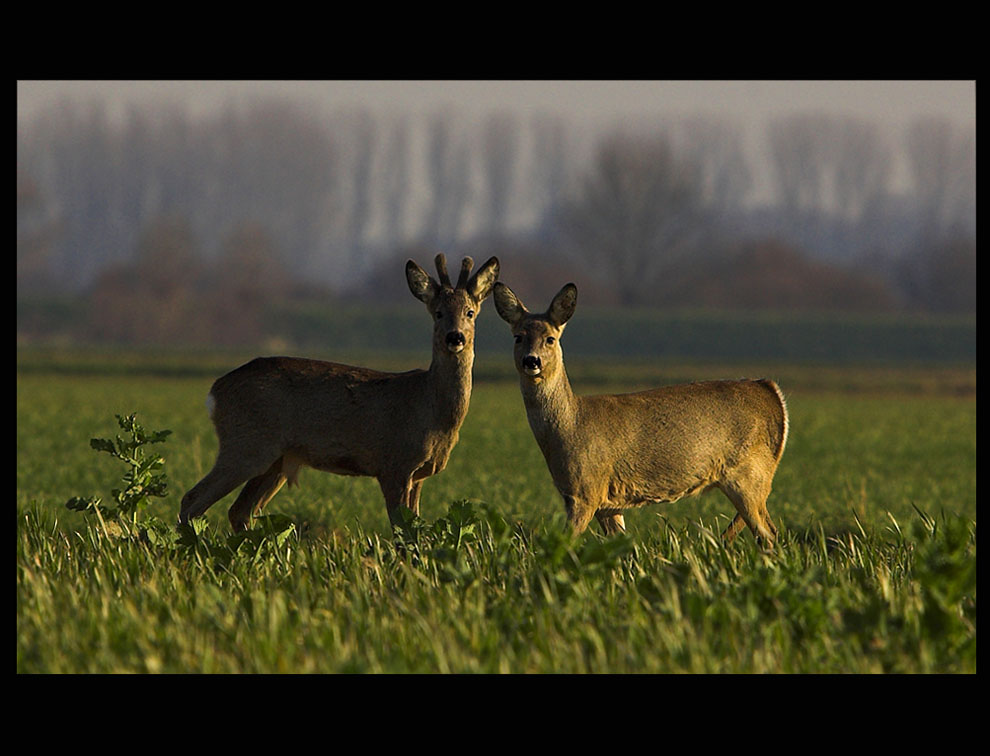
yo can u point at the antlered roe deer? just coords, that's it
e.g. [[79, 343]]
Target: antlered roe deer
[[274, 415], [610, 452]]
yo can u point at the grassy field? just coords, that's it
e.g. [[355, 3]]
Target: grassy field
[[875, 571]]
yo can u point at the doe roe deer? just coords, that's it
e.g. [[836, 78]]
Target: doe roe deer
[[274, 415], [610, 452]]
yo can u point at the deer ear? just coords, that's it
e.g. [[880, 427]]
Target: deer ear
[[562, 307], [421, 285], [481, 283], [509, 308]]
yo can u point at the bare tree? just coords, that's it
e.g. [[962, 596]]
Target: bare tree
[[363, 141], [284, 170], [939, 272], [862, 168], [634, 208], [799, 150], [500, 139], [37, 229], [248, 275], [152, 299], [714, 147], [251, 265], [395, 181], [448, 176], [548, 169], [69, 151], [943, 169]]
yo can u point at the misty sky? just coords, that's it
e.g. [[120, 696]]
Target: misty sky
[[589, 105], [891, 102]]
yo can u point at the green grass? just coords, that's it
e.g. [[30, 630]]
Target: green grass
[[508, 599], [875, 571]]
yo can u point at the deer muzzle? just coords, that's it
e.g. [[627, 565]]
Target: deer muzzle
[[455, 341], [531, 365]]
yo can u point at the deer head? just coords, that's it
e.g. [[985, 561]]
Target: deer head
[[537, 350], [454, 308]]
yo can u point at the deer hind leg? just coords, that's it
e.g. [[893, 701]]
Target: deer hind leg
[[739, 523], [256, 493], [748, 491], [229, 471], [398, 493], [611, 523], [752, 513]]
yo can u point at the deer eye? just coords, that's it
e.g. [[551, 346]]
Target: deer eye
[[550, 339], [518, 337], [470, 313], [439, 314]]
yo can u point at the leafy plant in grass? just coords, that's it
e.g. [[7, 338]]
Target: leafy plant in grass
[[143, 479], [264, 540], [450, 546], [945, 567]]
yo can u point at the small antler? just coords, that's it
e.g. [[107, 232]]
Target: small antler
[[466, 264], [441, 262]]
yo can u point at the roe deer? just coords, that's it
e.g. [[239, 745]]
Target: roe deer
[[276, 414], [610, 452]]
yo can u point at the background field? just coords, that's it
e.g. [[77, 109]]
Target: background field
[[880, 441], [860, 582]]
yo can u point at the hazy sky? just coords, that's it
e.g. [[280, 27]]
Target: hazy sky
[[892, 102], [589, 105]]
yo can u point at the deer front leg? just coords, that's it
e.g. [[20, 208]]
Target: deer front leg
[[579, 513], [730, 533], [256, 493]]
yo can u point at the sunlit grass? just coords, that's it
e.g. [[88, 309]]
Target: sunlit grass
[[503, 599], [874, 572]]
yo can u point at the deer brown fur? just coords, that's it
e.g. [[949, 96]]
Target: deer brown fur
[[610, 452], [274, 415]]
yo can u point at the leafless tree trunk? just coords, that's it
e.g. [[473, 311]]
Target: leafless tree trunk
[[549, 169], [634, 207], [799, 149], [447, 168], [499, 148], [862, 168], [943, 169], [715, 149], [395, 182]]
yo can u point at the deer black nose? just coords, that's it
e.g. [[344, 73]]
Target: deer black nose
[[455, 338], [531, 362]]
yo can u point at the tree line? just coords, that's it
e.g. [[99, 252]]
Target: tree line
[[663, 212]]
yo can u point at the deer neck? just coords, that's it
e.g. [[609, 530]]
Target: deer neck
[[450, 386], [551, 406]]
